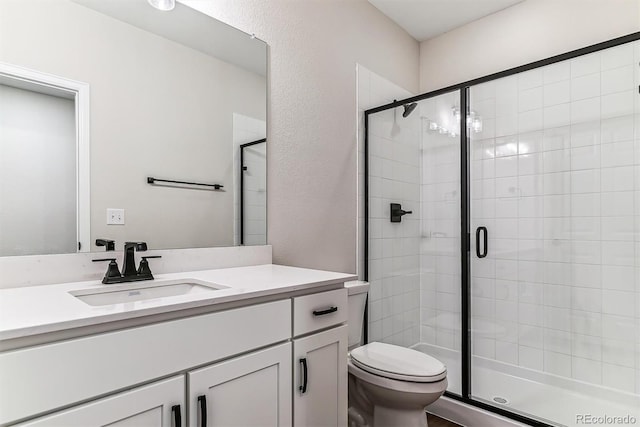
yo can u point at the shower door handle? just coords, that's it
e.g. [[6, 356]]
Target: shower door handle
[[482, 230]]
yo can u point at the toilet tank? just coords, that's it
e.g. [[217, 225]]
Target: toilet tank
[[357, 298]]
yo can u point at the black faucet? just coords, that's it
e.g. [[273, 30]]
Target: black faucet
[[129, 271], [129, 263]]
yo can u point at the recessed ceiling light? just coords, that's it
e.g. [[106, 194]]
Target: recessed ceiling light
[[164, 5]]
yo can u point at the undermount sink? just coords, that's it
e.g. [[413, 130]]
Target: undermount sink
[[119, 294]]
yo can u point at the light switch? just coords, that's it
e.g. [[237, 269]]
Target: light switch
[[115, 216]]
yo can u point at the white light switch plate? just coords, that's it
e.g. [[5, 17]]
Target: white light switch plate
[[115, 216]]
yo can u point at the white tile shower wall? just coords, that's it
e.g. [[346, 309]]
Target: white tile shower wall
[[394, 176], [556, 179], [255, 189], [440, 237]]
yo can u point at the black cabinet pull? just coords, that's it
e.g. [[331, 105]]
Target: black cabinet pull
[[482, 230], [177, 416], [303, 387], [326, 311], [202, 400]]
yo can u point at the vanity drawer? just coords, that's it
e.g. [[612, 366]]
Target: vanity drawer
[[318, 311]]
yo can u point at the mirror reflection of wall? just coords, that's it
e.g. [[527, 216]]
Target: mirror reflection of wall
[[37, 173], [163, 100]]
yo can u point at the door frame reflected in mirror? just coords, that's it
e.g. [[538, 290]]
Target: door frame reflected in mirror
[[49, 84]]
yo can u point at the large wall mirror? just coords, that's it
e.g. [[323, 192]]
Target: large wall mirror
[[122, 122]]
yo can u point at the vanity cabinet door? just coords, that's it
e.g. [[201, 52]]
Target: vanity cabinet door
[[246, 391], [154, 405], [320, 379]]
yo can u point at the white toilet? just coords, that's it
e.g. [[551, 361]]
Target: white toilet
[[389, 385]]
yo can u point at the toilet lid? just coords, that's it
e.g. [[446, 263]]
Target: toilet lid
[[392, 361]]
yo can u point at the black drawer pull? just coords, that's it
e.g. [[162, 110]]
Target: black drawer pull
[[177, 416], [326, 311], [303, 387], [203, 410]]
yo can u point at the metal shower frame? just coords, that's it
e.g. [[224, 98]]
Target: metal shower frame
[[466, 396]]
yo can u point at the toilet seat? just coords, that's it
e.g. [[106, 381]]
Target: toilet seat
[[395, 385], [398, 363]]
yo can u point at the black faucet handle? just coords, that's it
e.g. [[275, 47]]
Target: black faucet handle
[[110, 244], [113, 272], [143, 269]]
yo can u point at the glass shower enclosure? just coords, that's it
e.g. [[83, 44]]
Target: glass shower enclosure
[[517, 262]]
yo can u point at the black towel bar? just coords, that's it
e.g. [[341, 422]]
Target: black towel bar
[[152, 180]]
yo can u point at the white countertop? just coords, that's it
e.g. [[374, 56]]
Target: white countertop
[[40, 309]]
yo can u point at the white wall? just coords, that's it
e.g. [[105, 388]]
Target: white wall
[[133, 133], [527, 32], [313, 49], [37, 173]]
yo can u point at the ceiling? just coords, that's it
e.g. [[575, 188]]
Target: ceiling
[[424, 19]]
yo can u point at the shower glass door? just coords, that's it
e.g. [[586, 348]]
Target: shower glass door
[[414, 264], [440, 242], [555, 239]]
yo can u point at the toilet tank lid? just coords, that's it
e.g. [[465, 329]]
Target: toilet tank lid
[[356, 287], [393, 359]]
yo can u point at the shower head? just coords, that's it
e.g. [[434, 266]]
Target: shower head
[[408, 109]]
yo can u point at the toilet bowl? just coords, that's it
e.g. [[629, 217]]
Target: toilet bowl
[[389, 385]]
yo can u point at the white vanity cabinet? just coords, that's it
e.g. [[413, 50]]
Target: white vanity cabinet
[[321, 378], [236, 367], [320, 358], [251, 390]]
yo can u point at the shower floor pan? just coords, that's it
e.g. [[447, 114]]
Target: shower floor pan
[[556, 400]]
